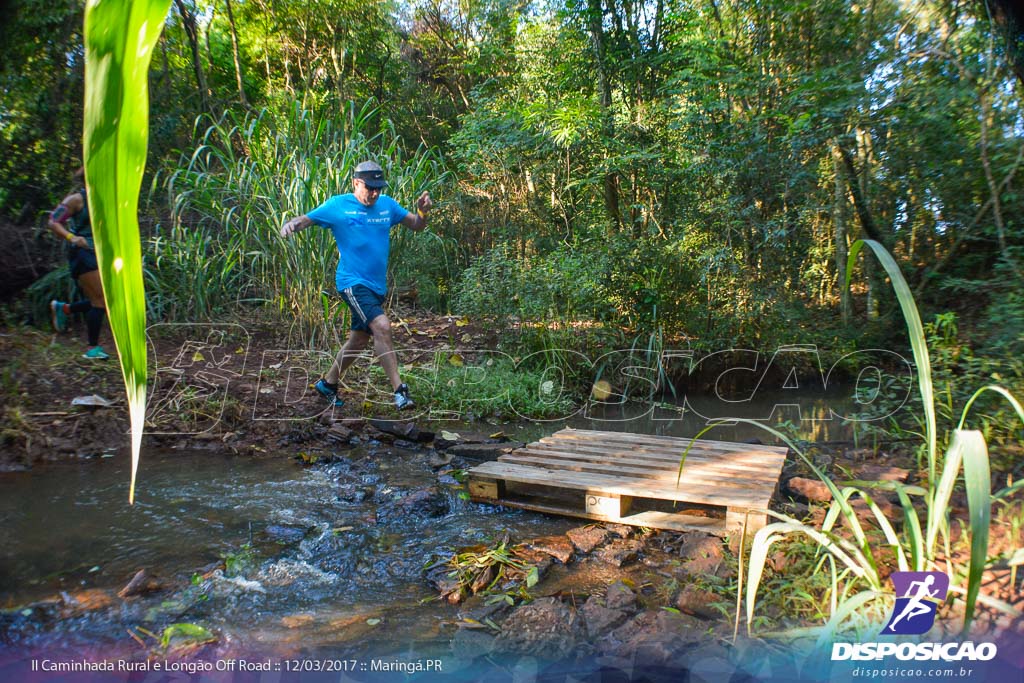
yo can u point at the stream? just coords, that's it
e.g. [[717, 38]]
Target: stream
[[321, 558]]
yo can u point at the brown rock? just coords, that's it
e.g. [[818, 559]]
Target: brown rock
[[557, 547], [654, 637], [586, 538], [546, 629], [599, 619], [297, 620], [620, 553], [881, 473], [809, 489], [619, 596], [703, 553], [620, 530], [87, 600], [698, 603], [339, 433]]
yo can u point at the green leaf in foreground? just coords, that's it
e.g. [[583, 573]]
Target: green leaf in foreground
[[119, 40]]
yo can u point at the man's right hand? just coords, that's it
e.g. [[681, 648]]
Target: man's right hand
[[294, 225]]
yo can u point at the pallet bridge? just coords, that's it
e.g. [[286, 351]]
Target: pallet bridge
[[632, 479]]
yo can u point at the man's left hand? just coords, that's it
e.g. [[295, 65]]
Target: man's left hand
[[424, 204]]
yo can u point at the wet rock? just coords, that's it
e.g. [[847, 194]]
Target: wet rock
[[541, 560], [655, 638], [484, 451], [620, 553], [140, 584], [282, 533], [339, 434], [558, 547], [708, 663], [699, 603], [297, 620], [599, 619], [546, 628], [437, 460], [402, 430], [620, 596], [621, 530], [471, 643], [407, 445], [586, 538], [428, 502], [809, 489], [88, 600]]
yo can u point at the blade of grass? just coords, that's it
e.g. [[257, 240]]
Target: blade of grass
[[119, 39]]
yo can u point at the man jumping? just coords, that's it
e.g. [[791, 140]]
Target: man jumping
[[361, 223]]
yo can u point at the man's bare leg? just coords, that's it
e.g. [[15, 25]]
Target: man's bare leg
[[385, 350], [356, 342]]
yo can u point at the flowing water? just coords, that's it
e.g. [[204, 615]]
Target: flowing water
[[309, 557]]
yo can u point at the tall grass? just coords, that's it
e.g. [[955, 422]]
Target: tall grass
[[842, 535], [248, 176], [119, 40]]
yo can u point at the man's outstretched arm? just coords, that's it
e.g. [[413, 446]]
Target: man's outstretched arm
[[295, 224], [417, 220]]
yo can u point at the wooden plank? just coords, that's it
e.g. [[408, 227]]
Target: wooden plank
[[669, 441], [584, 481], [600, 503], [749, 458], [766, 473], [676, 521], [655, 439], [690, 475], [653, 520], [486, 488], [734, 519]]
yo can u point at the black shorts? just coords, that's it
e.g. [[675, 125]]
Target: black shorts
[[365, 304], [82, 261]]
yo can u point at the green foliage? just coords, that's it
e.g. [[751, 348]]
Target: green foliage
[[119, 40], [913, 545], [492, 388], [245, 179], [185, 635]]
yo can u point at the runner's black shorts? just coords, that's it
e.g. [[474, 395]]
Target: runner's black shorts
[[82, 261], [365, 304]]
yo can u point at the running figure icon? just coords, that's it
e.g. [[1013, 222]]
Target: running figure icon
[[916, 606]]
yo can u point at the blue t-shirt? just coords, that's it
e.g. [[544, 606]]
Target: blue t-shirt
[[363, 234]]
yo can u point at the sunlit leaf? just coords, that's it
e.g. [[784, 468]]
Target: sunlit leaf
[[119, 40]]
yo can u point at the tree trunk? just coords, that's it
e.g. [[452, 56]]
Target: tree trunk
[[839, 233], [610, 183], [188, 22], [242, 99]]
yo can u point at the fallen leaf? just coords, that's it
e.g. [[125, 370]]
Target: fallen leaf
[[91, 400], [450, 436], [373, 622], [497, 435], [461, 322], [196, 357], [456, 360]]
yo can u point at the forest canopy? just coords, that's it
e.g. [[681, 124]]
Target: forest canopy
[[696, 168]]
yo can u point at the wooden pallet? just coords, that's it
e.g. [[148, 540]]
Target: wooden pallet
[[632, 479]]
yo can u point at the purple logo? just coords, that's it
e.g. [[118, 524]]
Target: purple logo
[[918, 595]]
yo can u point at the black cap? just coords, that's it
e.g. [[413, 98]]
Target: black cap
[[371, 174]]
